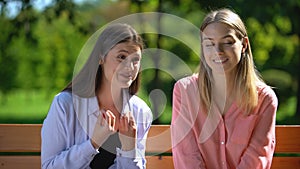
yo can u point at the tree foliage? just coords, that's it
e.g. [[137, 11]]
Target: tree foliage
[[39, 47]]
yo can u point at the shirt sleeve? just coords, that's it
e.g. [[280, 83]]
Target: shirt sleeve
[[127, 159], [55, 153], [260, 150], [186, 154], [135, 159]]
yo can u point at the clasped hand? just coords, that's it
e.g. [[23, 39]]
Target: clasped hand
[[107, 125]]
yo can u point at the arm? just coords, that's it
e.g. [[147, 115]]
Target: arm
[[186, 153], [134, 157], [57, 149], [261, 147]]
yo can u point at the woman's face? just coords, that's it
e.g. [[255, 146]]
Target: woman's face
[[222, 49], [121, 65]]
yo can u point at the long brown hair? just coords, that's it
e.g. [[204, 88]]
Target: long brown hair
[[246, 75], [88, 80]]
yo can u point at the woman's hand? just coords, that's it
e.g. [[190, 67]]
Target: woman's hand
[[104, 127], [127, 132]]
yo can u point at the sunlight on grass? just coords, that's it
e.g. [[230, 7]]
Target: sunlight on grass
[[22, 106], [32, 106]]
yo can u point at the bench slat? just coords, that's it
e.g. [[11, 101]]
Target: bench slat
[[287, 139], [26, 138], [159, 139], [24, 162], [20, 138], [285, 163], [155, 162]]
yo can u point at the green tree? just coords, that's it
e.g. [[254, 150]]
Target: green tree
[[7, 73]]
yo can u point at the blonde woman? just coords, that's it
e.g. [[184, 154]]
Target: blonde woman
[[224, 116]]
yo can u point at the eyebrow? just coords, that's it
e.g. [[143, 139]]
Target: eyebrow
[[224, 37], [123, 50]]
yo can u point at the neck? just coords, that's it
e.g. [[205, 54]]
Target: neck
[[108, 98], [223, 85]]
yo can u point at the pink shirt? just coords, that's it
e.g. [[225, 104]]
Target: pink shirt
[[213, 141]]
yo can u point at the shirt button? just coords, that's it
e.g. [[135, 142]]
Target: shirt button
[[222, 142]]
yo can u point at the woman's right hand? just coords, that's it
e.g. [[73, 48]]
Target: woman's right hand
[[104, 127]]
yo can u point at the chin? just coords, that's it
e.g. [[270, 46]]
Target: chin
[[125, 84]]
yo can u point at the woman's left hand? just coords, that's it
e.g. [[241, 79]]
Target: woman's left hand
[[127, 132]]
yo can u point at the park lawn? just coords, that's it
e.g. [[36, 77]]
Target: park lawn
[[22, 106], [31, 106]]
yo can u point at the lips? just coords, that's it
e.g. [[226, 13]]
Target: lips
[[127, 76], [220, 60]]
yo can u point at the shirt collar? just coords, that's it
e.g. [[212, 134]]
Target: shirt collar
[[93, 106]]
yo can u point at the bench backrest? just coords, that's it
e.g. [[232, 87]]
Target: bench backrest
[[20, 147]]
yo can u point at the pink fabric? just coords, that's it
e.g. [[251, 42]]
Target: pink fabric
[[214, 141]]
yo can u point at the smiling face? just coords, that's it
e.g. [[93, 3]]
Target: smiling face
[[222, 49], [121, 65]]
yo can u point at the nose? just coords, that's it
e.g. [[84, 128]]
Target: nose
[[129, 64], [219, 49]]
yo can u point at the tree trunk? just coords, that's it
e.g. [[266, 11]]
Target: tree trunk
[[157, 80]]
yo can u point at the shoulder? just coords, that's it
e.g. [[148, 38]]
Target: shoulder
[[187, 86], [63, 98], [141, 107], [61, 109], [266, 92], [62, 102], [137, 101], [187, 82]]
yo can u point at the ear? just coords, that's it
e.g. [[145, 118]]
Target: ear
[[101, 61], [245, 44]]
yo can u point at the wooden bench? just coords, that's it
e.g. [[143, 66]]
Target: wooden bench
[[20, 147]]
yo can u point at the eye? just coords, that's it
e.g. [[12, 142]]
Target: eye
[[228, 42], [136, 60], [121, 57], [208, 44]]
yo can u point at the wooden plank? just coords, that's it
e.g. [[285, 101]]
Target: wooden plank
[[286, 163], [24, 162], [20, 138], [166, 162], [156, 162], [26, 138], [287, 139], [159, 139], [153, 162]]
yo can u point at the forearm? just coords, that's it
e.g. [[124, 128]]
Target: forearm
[[77, 156]]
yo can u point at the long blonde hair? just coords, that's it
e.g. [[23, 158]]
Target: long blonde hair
[[246, 75]]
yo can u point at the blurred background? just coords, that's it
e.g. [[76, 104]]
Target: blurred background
[[41, 39]]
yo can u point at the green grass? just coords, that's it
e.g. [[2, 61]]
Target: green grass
[[22, 106], [31, 106]]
